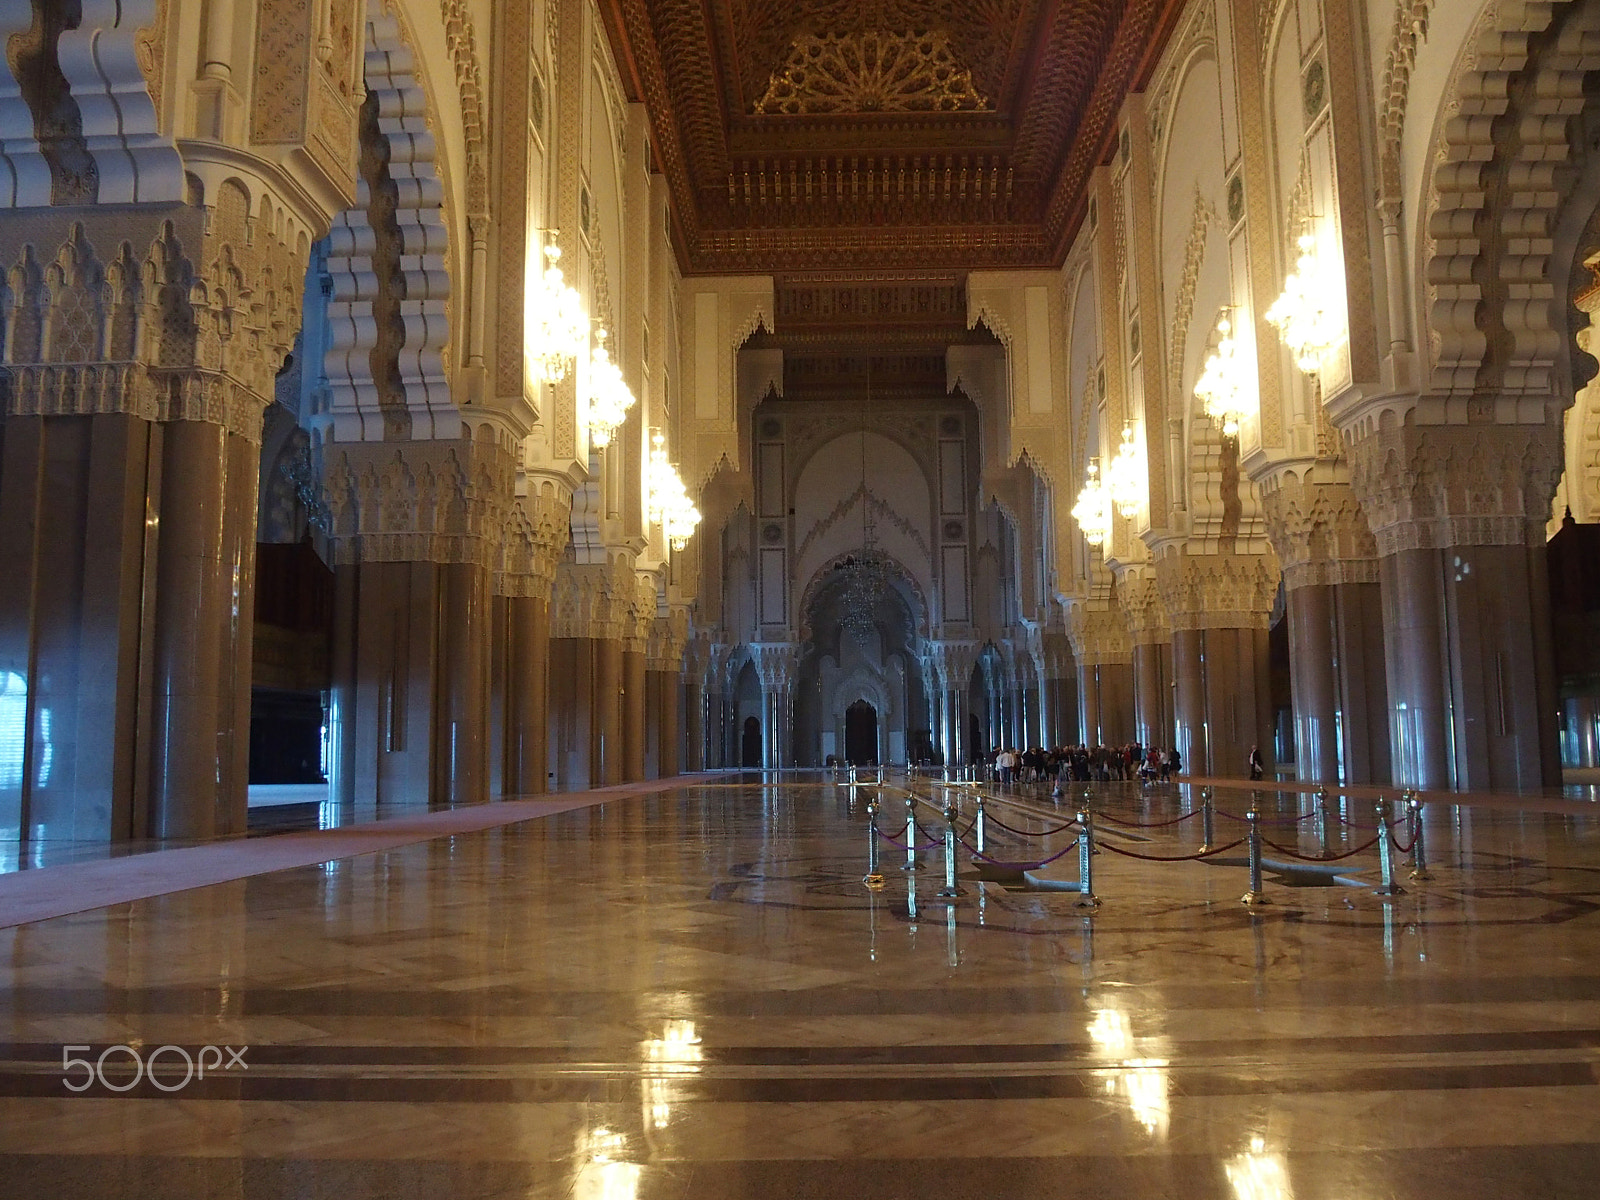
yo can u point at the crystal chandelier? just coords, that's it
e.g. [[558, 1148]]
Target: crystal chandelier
[[1092, 512], [1220, 387], [1125, 477], [609, 395], [558, 328], [670, 506], [866, 572], [1304, 317]]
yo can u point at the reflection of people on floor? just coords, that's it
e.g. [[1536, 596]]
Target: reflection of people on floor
[[1256, 769]]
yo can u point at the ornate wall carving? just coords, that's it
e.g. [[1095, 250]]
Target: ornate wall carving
[[1504, 160]]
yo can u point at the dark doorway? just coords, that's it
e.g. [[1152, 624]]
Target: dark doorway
[[750, 747], [861, 733], [976, 750]]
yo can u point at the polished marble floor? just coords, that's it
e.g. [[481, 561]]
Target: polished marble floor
[[690, 994]]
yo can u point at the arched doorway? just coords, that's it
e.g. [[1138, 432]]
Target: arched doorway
[[861, 733], [976, 750], [750, 744]]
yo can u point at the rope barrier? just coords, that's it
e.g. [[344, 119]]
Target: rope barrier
[[1148, 824], [894, 841], [994, 820], [1406, 849], [1265, 821], [1043, 862], [1328, 858], [1181, 858]]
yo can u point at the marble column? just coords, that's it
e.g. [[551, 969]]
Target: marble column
[[694, 711], [526, 750], [1104, 655], [608, 698], [1462, 569], [414, 617], [1219, 606], [634, 703], [187, 654]]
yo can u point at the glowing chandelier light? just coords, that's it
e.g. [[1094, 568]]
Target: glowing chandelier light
[[670, 506], [1092, 512], [1304, 318], [558, 328], [1125, 477], [1220, 388], [609, 395]]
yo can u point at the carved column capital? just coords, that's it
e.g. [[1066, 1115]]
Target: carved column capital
[[1475, 484], [1317, 527], [1099, 634], [439, 501], [1141, 605], [1217, 591]]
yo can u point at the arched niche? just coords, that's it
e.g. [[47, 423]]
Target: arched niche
[[857, 474]]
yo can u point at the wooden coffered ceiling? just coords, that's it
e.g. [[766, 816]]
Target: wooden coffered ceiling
[[881, 135]]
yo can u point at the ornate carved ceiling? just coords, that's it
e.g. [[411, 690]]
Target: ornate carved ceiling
[[802, 135]]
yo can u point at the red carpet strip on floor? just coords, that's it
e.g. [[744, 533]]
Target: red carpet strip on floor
[[46, 892]]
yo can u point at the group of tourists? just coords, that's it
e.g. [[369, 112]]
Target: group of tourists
[[1088, 764]]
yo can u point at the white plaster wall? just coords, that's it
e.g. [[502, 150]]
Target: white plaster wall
[[827, 526]]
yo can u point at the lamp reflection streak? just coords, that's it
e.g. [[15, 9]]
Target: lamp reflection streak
[[1142, 1081], [1257, 1175], [676, 1053]]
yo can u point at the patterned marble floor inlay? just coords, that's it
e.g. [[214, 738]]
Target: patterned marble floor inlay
[[691, 994]]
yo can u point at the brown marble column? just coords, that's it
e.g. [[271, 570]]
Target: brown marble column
[[573, 737], [1314, 680], [185, 758], [1363, 685], [694, 708], [669, 759], [76, 530], [1189, 700], [1460, 539], [634, 705], [527, 694], [1152, 693], [607, 753]]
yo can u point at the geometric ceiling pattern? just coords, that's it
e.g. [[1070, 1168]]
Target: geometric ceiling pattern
[[886, 135]]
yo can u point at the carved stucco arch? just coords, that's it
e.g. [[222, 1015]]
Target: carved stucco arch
[[1504, 153], [388, 312]]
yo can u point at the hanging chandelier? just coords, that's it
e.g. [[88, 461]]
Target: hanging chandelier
[[609, 395], [1092, 512], [558, 328], [1303, 314], [866, 572], [1220, 388], [670, 506], [1125, 477]]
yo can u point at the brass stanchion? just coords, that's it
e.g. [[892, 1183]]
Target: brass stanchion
[[951, 889], [1086, 897], [1255, 897], [1386, 853], [873, 879], [1208, 822], [978, 826], [1325, 824]]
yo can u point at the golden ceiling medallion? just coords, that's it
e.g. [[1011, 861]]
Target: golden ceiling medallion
[[871, 71]]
